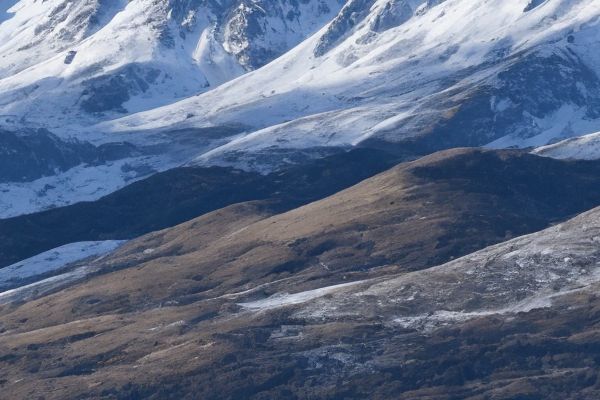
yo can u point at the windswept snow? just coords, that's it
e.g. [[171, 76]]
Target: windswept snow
[[43, 286], [425, 74], [66, 65]]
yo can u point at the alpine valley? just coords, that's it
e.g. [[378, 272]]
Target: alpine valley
[[300, 199]]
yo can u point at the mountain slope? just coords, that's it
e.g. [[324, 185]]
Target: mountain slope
[[43, 170], [65, 65], [209, 301], [272, 262]]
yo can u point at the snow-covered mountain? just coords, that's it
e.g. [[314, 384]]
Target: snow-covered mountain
[[96, 57], [422, 75], [341, 264], [412, 76], [66, 65]]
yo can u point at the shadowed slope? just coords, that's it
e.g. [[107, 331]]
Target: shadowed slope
[[178, 195]]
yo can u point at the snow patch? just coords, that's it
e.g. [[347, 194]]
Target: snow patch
[[54, 260], [286, 299]]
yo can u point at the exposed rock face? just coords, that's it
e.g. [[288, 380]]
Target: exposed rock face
[[353, 13], [379, 16], [533, 4], [109, 92], [259, 31], [392, 15]]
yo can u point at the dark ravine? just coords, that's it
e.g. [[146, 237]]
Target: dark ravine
[[178, 195]]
